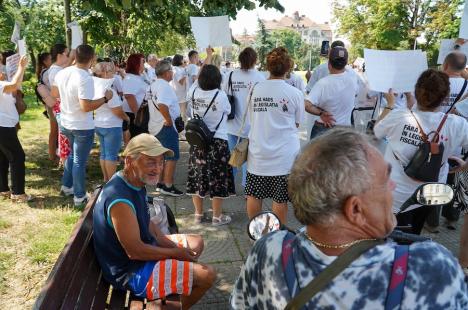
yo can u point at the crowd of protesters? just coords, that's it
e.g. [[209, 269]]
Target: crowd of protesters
[[148, 101]]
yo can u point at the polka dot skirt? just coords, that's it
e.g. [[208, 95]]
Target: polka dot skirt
[[262, 187]]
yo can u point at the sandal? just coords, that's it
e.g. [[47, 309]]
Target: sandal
[[221, 220], [198, 218], [5, 195], [22, 198]]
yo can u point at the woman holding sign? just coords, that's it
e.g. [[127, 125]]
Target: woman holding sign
[[11, 152]]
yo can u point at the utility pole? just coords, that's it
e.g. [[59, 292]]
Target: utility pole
[[66, 4]]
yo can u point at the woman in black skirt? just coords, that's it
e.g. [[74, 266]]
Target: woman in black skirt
[[209, 173]]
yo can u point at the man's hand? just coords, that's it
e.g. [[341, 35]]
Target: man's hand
[[23, 62], [390, 97], [109, 94], [327, 119], [185, 255]]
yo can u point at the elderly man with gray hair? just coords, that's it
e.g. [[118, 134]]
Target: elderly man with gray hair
[[341, 190], [164, 108]]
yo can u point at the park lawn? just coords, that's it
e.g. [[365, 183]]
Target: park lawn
[[33, 235]]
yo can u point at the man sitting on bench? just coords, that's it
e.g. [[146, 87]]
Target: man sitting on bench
[[133, 253]]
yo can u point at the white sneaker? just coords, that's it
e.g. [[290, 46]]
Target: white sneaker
[[81, 201], [66, 191]]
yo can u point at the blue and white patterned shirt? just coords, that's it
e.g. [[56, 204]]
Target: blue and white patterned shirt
[[435, 280]]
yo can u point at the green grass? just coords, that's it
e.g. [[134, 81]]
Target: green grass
[[33, 235]]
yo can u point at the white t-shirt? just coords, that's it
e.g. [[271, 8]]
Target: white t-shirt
[[336, 94], [161, 92], [218, 112], [456, 85], [75, 84], [9, 116], [275, 109], [296, 81], [242, 82], [104, 118], [180, 89], [133, 85], [49, 75], [401, 130], [320, 72], [192, 72], [150, 72], [118, 83]]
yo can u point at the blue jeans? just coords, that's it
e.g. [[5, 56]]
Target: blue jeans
[[74, 172], [169, 138], [110, 140], [232, 142]]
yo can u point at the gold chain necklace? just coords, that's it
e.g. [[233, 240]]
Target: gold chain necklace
[[340, 246]]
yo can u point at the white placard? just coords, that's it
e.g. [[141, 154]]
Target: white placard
[[15, 36], [12, 63], [447, 46], [211, 31], [464, 23], [77, 34], [100, 87], [398, 70], [22, 47]]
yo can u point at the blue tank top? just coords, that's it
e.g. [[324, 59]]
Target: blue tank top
[[116, 266]]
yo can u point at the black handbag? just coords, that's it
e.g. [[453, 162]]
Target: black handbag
[[142, 116], [179, 124], [197, 132], [231, 98], [427, 161]]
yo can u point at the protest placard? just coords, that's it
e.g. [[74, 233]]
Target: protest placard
[[12, 63], [211, 31], [447, 46], [15, 36], [464, 23], [77, 34], [22, 47], [100, 87], [398, 70]]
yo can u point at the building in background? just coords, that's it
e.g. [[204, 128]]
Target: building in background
[[310, 31]]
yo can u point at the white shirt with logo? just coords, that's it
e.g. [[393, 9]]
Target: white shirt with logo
[[218, 112], [104, 117], [403, 136], [75, 84], [161, 92], [296, 80], [242, 82], [275, 110], [336, 94], [192, 72], [180, 89]]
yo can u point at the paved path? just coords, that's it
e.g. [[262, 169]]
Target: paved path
[[226, 247]]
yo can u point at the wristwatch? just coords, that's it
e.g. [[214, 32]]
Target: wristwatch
[[106, 100]]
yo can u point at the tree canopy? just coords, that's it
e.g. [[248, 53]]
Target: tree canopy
[[397, 24]]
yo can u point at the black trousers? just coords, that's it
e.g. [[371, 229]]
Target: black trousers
[[11, 160]]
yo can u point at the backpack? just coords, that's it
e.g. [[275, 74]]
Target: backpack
[[40, 89], [197, 132]]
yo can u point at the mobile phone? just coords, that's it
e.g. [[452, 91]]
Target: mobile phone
[[325, 48]]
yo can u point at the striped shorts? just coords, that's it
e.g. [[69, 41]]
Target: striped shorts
[[163, 278]]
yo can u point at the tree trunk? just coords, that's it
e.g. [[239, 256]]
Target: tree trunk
[[33, 59], [66, 4]]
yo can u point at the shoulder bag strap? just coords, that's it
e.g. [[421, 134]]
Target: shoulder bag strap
[[230, 82], [193, 101], [422, 133], [151, 97], [397, 279], [211, 103], [287, 261], [245, 113], [459, 95], [327, 275]]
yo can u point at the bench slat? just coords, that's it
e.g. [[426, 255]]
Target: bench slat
[[117, 301], [102, 292], [89, 290]]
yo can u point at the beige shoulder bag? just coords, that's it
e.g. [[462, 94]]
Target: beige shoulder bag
[[239, 152]]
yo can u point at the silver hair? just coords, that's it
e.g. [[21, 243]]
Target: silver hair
[[151, 57], [103, 67], [162, 67], [331, 169]]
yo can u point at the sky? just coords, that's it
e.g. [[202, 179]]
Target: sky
[[319, 11]]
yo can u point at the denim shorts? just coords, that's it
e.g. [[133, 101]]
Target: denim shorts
[[110, 140], [169, 138]]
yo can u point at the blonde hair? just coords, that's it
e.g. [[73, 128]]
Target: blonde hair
[[103, 67]]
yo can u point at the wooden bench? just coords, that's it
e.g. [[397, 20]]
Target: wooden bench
[[76, 280]]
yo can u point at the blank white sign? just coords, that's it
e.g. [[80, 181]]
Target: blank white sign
[[211, 31]]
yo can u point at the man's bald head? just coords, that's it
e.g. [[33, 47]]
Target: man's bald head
[[455, 62]]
